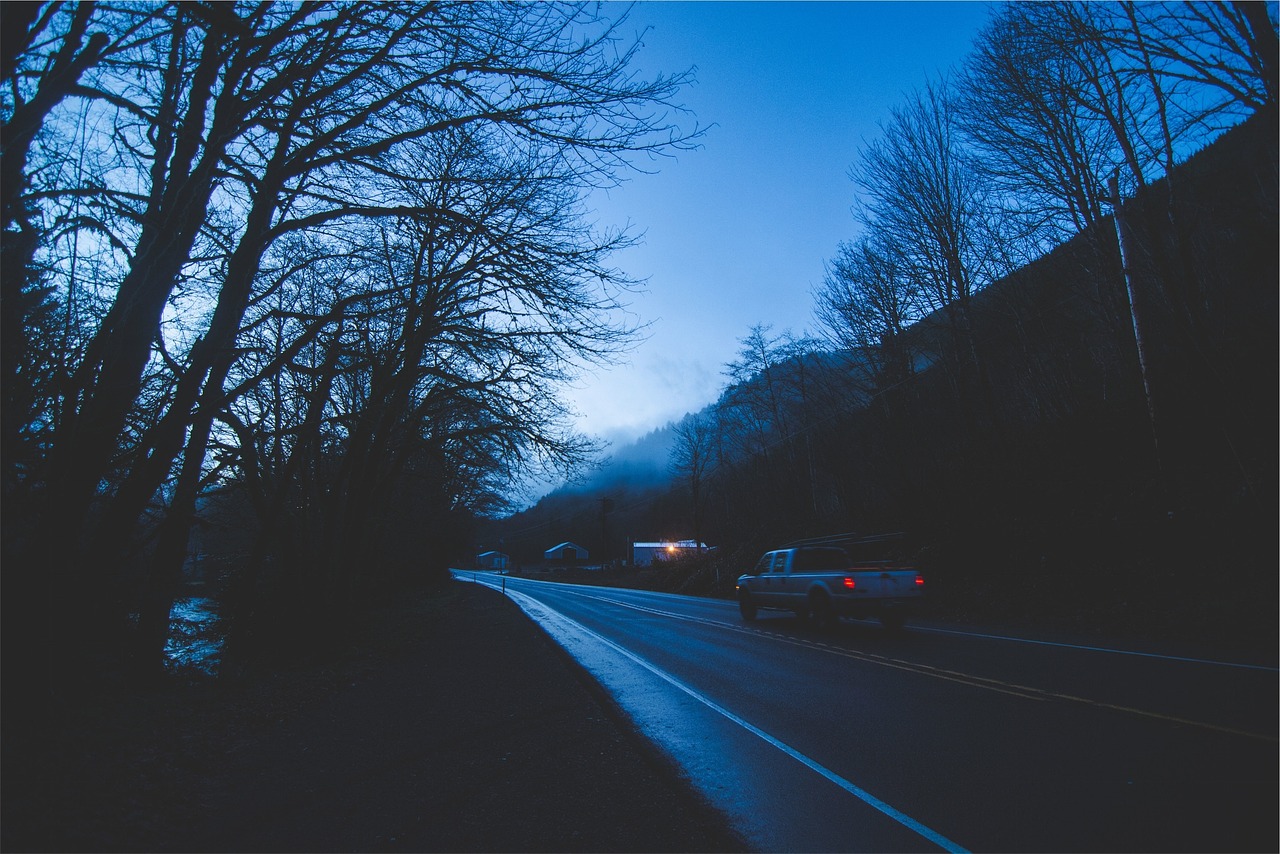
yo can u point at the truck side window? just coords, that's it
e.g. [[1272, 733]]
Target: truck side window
[[763, 566], [780, 562]]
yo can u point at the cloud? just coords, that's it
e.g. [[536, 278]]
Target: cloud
[[629, 401]]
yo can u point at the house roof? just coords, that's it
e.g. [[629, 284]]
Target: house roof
[[562, 545]]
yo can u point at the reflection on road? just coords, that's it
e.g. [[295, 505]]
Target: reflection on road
[[938, 734]]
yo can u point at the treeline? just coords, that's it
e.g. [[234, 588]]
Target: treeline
[[1050, 354], [311, 271]]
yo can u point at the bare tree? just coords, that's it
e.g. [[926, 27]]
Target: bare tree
[[229, 128], [866, 302], [1216, 60], [1058, 95], [1201, 67], [923, 195], [29, 92], [1020, 101], [691, 460], [60, 48], [753, 400], [466, 310], [1075, 107], [1205, 66]]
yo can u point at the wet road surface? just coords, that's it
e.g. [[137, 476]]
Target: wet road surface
[[936, 738]]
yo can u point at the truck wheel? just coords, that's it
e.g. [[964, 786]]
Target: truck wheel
[[821, 612], [746, 606], [893, 621]]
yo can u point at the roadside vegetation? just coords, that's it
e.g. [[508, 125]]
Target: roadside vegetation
[[292, 288]]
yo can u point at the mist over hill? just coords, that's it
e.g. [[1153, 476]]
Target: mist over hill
[[630, 475], [643, 462]]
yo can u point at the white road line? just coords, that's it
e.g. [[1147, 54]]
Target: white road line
[[533, 606]]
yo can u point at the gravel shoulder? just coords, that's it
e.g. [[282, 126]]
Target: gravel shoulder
[[454, 724]]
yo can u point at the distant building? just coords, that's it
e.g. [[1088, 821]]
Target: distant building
[[492, 560], [644, 554], [565, 553]]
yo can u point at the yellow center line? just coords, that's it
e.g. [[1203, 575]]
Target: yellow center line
[[1015, 689], [986, 683], [914, 667]]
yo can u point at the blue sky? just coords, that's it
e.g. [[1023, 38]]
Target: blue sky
[[736, 233]]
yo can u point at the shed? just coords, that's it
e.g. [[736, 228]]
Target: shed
[[492, 560], [565, 553]]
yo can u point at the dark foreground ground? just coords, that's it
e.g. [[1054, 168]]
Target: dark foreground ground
[[455, 725]]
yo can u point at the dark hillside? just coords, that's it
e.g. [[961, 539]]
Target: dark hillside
[[1055, 495], [1073, 490]]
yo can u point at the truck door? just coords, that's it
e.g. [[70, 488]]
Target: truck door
[[775, 578], [759, 585], [787, 583]]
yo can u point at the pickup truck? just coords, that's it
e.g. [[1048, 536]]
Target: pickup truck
[[824, 584]]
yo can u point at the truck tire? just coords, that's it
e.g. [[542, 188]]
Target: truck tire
[[746, 606], [820, 611]]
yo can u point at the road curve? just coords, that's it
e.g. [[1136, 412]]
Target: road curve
[[934, 739]]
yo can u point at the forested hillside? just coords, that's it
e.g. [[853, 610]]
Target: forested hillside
[[1052, 474]]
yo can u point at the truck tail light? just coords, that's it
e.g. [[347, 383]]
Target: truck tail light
[[850, 583], [919, 580]]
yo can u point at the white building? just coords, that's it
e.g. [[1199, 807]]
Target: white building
[[644, 554]]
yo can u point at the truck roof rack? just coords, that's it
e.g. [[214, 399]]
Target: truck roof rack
[[850, 539]]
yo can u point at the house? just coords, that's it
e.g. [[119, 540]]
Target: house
[[565, 553], [492, 560], [645, 554]]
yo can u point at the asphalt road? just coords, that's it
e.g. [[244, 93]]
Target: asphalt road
[[937, 738]]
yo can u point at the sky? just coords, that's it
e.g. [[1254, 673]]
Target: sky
[[736, 233]]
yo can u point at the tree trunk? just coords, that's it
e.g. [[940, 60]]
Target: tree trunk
[[109, 379]]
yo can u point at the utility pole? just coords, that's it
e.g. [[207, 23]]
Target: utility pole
[[1128, 251], [606, 507]]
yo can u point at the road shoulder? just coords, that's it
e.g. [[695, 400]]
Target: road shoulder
[[469, 731]]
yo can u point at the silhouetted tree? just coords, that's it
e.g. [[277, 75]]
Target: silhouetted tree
[[216, 131], [690, 460], [1214, 61], [866, 302], [1020, 100], [31, 91], [926, 199]]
